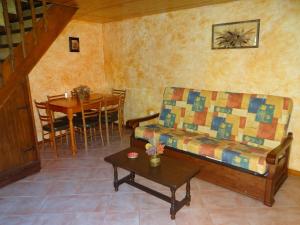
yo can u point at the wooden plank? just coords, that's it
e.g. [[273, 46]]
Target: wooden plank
[[113, 10], [19, 131], [21, 24], [8, 34], [33, 16]]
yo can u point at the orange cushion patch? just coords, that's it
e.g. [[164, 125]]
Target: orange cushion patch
[[242, 122], [267, 130], [286, 104], [200, 117], [178, 94], [234, 100], [207, 150], [214, 95], [182, 112]]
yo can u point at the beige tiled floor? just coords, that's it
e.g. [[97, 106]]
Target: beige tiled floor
[[79, 191]]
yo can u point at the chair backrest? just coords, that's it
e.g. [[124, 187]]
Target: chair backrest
[[90, 109], [54, 97], [73, 93], [43, 112], [121, 93]]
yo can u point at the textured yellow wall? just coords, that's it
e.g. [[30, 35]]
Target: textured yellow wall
[[147, 54], [60, 70]]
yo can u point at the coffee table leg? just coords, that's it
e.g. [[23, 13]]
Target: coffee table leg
[[188, 193], [116, 185], [173, 200], [132, 176]]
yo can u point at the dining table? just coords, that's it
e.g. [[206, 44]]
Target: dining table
[[71, 105]]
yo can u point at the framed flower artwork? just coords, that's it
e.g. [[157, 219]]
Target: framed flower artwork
[[242, 34]]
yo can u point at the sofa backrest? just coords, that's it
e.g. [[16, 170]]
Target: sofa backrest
[[253, 119]]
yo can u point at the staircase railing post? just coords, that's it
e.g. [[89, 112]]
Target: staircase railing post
[[45, 15], [21, 24], [8, 33], [32, 8]]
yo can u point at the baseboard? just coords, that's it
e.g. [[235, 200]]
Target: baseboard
[[19, 173], [294, 172]]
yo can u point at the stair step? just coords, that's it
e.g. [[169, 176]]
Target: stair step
[[16, 20], [4, 53], [26, 6], [16, 38], [15, 31], [7, 46]]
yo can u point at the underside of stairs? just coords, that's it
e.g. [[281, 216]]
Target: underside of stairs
[[27, 29], [26, 32]]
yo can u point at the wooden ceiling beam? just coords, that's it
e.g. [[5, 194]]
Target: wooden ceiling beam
[[113, 10]]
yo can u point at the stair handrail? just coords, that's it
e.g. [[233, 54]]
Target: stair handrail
[[8, 34]]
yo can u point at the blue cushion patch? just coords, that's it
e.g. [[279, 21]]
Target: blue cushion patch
[[217, 122], [255, 103]]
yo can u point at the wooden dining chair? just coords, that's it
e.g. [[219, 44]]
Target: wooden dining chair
[[118, 116], [73, 93], [112, 110], [90, 119], [122, 94], [49, 126], [63, 119]]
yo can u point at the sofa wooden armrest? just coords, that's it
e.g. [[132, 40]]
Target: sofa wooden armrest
[[133, 123], [277, 161], [280, 151]]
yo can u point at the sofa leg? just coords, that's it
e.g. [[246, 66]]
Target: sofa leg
[[269, 193], [270, 187], [269, 202]]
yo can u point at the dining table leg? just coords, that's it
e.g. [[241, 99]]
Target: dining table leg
[[72, 133]]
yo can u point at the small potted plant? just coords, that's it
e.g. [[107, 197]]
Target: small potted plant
[[83, 92], [154, 151]]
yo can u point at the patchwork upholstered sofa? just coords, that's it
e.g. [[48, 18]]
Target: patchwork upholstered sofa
[[240, 140]]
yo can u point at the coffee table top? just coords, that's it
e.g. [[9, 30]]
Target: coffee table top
[[171, 172]]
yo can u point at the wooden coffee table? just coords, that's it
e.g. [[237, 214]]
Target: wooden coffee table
[[172, 173]]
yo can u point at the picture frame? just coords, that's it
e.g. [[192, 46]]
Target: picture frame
[[235, 35], [74, 44]]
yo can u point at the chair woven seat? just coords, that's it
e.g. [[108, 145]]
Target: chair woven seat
[[57, 126], [62, 118], [90, 122]]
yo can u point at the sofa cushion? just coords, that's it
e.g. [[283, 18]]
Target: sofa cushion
[[227, 151], [256, 120]]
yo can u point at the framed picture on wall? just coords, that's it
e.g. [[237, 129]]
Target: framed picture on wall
[[242, 34], [74, 44]]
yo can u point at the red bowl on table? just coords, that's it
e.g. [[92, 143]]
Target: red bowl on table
[[132, 155]]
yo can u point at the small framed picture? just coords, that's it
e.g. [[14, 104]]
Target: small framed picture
[[242, 34], [74, 44]]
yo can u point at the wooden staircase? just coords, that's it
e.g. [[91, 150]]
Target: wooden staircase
[[27, 29]]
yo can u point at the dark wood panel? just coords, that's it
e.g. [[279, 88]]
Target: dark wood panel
[[9, 176], [17, 143]]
